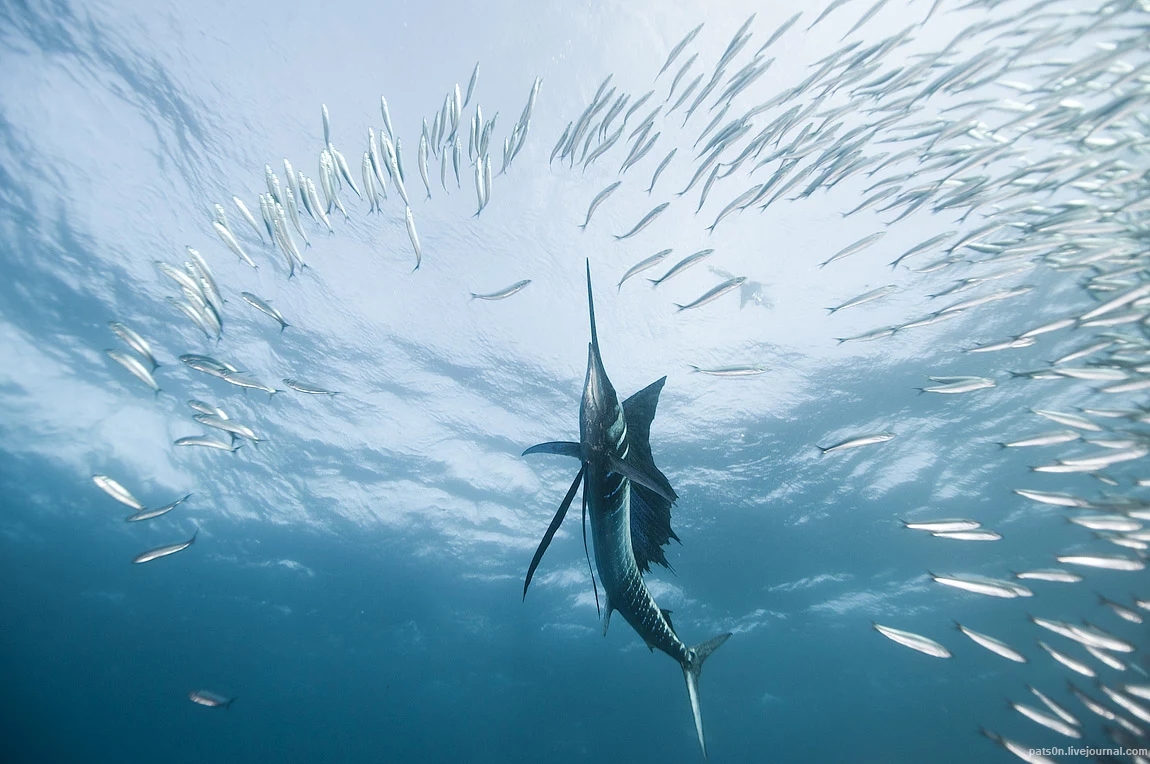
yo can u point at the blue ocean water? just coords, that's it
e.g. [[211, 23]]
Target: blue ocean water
[[356, 580]]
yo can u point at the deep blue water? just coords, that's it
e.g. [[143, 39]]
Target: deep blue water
[[356, 582]]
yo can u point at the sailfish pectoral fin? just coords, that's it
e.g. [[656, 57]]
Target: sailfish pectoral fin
[[551, 529], [557, 447], [636, 475]]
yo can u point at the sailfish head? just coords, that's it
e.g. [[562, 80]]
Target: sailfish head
[[600, 415]]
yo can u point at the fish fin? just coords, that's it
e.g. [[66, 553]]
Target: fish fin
[[551, 529], [642, 477], [607, 610], [667, 618], [192, 540], [692, 668], [594, 586], [639, 412], [557, 447], [650, 527]]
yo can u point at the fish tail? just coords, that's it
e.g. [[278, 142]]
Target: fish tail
[[680, 307], [283, 326], [229, 703], [692, 668]]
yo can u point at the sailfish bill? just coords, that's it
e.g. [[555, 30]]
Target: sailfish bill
[[629, 503]]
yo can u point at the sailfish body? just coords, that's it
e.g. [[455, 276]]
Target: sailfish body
[[628, 500]]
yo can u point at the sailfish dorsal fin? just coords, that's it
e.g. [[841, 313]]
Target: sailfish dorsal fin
[[650, 511]]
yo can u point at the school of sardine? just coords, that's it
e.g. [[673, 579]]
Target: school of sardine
[[1025, 139]]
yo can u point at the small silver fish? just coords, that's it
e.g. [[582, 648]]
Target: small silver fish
[[1057, 575], [714, 293], [862, 299], [856, 442], [232, 244], [471, 85], [1104, 562], [137, 369], [599, 199], [681, 266], [164, 551], [646, 221], [228, 425], [135, 342], [204, 442], [204, 407], [732, 371], [240, 381], [1062, 713], [422, 159], [502, 293], [876, 334], [942, 526], [956, 388], [148, 514], [991, 587], [210, 699], [679, 49], [305, 387], [386, 117], [247, 215], [117, 492], [976, 535], [995, 646], [414, 237], [643, 265], [1074, 665], [263, 307], [850, 249], [913, 641], [659, 170], [1046, 720], [1044, 439]]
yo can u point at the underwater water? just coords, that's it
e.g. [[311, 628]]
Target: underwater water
[[356, 581]]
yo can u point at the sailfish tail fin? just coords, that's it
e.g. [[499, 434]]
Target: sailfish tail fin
[[692, 667]]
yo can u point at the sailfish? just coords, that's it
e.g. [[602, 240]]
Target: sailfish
[[629, 502]]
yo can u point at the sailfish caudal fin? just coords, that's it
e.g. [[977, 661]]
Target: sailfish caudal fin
[[692, 667]]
